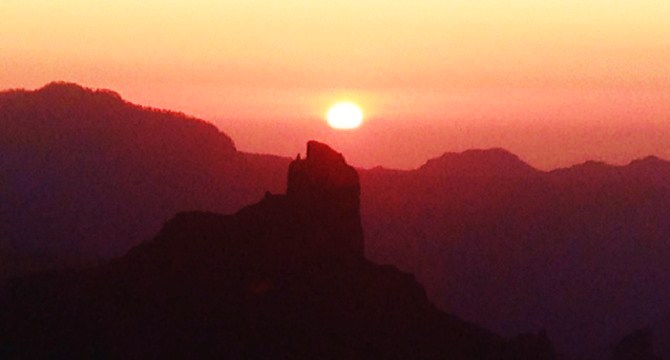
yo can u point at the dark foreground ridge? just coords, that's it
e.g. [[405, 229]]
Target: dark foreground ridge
[[283, 278]]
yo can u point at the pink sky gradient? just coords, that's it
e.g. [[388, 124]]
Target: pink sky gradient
[[557, 82]]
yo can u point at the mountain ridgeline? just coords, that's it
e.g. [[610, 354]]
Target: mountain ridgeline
[[283, 278], [580, 252], [85, 175]]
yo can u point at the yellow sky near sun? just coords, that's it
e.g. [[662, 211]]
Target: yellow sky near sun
[[401, 59], [346, 43]]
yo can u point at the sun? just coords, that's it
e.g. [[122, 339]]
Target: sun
[[345, 116]]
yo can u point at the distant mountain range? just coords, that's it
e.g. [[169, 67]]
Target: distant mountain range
[[284, 278], [581, 252]]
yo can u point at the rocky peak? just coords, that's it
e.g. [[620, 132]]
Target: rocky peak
[[322, 174], [327, 190], [489, 162]]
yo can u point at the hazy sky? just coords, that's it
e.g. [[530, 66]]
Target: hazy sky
[[555, 81]]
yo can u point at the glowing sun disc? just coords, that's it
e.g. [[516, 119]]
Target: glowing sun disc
[[345, 115]]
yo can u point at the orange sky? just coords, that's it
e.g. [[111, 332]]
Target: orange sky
[[557, 82]]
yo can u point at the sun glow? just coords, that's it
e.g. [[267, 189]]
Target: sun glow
[[345, 116]]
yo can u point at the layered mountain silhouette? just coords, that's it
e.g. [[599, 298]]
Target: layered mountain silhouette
[[283, 278], [581, 252], [85, 175]]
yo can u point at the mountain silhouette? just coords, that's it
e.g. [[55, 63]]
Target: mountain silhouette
[[85, 175], [581, 252], [283, 278], [474, 163]]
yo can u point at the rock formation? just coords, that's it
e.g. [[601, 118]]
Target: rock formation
[[284, 278]]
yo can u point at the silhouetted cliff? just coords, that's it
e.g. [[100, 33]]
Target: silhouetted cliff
[[328, 189], [284, 278]]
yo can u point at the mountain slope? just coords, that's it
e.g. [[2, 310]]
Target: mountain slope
[[86, 174], [284, 278], [581, 252]]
